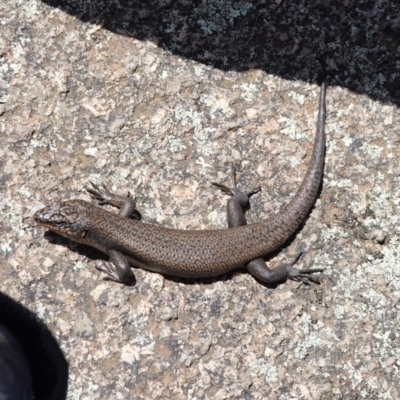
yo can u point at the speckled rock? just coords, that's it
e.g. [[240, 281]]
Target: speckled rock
[[81, 102]]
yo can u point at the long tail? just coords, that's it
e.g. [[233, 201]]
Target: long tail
[[293, 214]]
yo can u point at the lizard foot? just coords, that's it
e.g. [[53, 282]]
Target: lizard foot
[[301, 275], [234, 191], [114, 273], [103, 195], [259, 269]]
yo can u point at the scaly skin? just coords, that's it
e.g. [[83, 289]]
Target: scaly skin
[[187, 253]]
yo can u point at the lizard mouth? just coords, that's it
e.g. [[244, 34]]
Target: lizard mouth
[[47, 215]]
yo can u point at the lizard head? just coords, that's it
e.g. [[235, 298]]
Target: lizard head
[[69, 218]]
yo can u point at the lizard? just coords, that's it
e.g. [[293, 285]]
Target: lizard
[[191, 253]]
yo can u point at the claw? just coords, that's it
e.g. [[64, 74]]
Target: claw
[[296, 258]]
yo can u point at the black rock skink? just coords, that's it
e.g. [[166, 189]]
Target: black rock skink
[[190, 253]]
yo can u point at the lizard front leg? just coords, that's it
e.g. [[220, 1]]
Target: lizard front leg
[[117, 268], [126, 204]]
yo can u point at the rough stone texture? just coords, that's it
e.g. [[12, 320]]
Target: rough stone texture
[[81, 99]]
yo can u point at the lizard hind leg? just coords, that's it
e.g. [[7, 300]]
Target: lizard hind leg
[[236, 208], [238, 204], [259, 269]]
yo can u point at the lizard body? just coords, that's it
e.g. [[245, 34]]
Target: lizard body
[[190, 253]]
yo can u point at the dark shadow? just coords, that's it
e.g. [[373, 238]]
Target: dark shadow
[[359, 40], [88, 251], [47, 364]]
